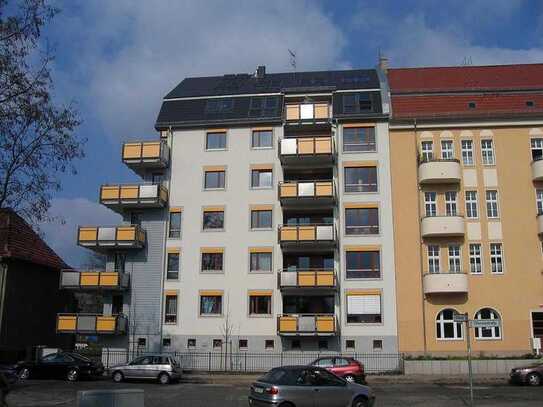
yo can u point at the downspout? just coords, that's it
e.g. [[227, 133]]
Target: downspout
[[421, 258], [3, 279]]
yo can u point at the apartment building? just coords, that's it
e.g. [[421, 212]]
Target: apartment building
[[263, 222], [466, 148]]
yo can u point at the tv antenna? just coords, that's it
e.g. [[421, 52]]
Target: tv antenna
[[467, 61], [292, 59]]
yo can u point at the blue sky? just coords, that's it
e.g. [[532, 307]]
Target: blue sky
[[116, 59]]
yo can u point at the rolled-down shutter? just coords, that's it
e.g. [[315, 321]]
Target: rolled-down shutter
[[363, 304]]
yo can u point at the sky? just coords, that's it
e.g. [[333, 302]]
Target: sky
[[115, 60]]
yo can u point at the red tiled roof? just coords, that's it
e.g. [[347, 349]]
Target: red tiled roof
[[19, 241], [465, 78], [486, 105]]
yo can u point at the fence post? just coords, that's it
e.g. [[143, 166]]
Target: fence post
[[107, 358], [209, 363], [281, 358], [246, 362]]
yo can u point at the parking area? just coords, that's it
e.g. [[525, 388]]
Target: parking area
[[231, 391]]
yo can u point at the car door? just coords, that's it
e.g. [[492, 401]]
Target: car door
[[341, 367], [329, 390], [299, 388], [144, 368], [130, 371], [50, 366]]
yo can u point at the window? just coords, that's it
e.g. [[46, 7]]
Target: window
[[261, 219], [360, 179], [216, 141], [472, 105], [446, 327], [356, 103], [359, 139], [264, 106], [136, 218], [170, 313], [269, 344], [212, 261], [323, 344], [427, 150], [471, 204], [260, 262], [217, 343], [174, 231], [487, 152], [243, 344], [537, 148], [191, 343], [172, 270], [261, 178], [213, 219], [210, 304], [377, 344], [295, 344], [260, 304], [447, 149], [454, 259], [475, 261], [496, 258], [214, 106], [430, 205], [157, 177], [530, 103], [493, 332], [433, 259], [166, 342], [492, 204], [350, 344], [539, 201], [364, 308], [214, 179], [363, 264], [361, 221], [450, 203], [467, 152], [143, 342], [120, 262], [262, 139]]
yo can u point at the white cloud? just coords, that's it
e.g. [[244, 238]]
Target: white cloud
[[75, 212]]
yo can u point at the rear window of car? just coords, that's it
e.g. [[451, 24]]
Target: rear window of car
[[342, 362], [324, 362], [281, 376]]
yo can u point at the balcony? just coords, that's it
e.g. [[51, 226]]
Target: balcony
[[114, 237], [537, 169], [93, 280], [140, 156], [303, 151], [540, 224], [307, 193], [119, 197], [307, 115], [440, 172], [443, 226], [307, 325], [313, 279], [308, 237], [446, 283], [92, 324]]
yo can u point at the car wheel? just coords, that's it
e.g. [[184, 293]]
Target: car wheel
[[24, 373], [350, 378], [164, 378], [72, 375], [533, 379], [360, 402], [117, 377]]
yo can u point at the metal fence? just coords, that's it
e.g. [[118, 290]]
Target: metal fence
[[374, 363]]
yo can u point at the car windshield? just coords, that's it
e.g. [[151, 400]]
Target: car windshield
[[80, 357]]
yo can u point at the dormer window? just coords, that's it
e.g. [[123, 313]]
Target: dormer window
[[472, 105], [530, 103]]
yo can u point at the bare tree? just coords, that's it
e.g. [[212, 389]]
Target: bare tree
[[37, 140], [227, 329]]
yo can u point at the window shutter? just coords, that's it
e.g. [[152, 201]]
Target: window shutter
[[363, 304]]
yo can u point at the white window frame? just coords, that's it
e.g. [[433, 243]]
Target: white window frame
[[427, 154], [479, 331], [455, 258], [433, 259], [536, 144], [451, 207], [472, 210], [539, 201], [457, 326], [497, 264], [492, 207], [487, 151], [467, 152], [447, 149], [430, 204], [475, 258]]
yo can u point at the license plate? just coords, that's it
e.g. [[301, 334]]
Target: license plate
[[259, 390]]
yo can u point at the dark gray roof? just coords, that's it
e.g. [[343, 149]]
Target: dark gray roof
[[240, 84]]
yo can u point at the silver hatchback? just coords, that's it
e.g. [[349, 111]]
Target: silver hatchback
[[308, 386], [163, 368]]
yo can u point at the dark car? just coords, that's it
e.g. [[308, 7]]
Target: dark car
[[307, 386], [532, 374], [347, 367], [10, 373], [62, 365]]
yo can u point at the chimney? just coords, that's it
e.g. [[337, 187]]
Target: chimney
[[383, 63], [260, 72]]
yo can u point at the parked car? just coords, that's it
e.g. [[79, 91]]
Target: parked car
[[163, 368], [68, 365], [532, 374], [348, 368], [308, 386], [10, 373]]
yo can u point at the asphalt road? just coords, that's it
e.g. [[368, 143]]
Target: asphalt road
[[195, 393]]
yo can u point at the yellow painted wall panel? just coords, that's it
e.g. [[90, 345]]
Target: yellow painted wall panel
[[109, 192], [126, 233], [288, 324], [289, 233], [306, 233], [325, 324], [151, 150], [293, 112], [129, 192], [88, 234], [89, 278], [105, 324], [132, 151], [323, 145], [306, 145], [66, 323], [306, 279], [108, 279], [289, 190]]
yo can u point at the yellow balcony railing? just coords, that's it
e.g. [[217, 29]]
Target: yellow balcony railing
[[307, 111], [289, 234], [134, 196], [146, 154], [311, 278], [89, 280], [306, 191], [307, 324], [132, 236], [91, 324]]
